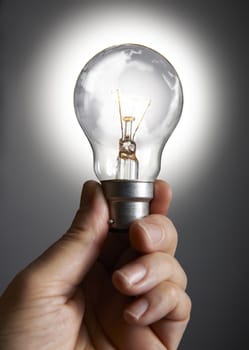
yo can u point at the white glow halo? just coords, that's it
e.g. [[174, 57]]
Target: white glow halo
[[80, 35]]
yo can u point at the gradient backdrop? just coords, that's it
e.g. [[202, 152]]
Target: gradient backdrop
[[45, 158]]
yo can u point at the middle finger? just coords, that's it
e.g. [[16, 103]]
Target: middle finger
[[144, 273]]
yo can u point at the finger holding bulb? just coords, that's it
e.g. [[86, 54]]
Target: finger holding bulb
[[155, 280]]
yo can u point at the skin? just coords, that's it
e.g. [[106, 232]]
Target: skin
[[94, 290]]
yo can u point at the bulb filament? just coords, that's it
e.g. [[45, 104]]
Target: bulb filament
[[128, 166]]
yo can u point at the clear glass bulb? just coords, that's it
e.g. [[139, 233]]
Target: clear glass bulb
[[128, 100]]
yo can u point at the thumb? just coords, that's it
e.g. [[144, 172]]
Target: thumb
[[65, 263]]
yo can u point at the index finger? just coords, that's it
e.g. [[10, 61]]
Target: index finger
[[143, 232], [154, 233], [162, 198]]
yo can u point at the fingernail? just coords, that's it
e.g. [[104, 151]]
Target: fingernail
[[132, 275], [154, 232], [138, 309]]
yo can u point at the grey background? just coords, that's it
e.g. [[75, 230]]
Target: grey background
[[36, 206]]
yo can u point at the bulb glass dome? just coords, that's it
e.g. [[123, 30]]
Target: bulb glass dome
[[128, 100]]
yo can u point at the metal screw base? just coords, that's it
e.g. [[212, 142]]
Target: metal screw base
[[128, 201]]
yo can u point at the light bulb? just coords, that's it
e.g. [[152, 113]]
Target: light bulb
[[128, 100]]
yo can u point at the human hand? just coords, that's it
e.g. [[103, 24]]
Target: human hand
[[97, 291]]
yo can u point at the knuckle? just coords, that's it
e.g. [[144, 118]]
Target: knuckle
[[171, 232], [178, 274], [182, 301], [187, 307], [183, 278], [173, 291]]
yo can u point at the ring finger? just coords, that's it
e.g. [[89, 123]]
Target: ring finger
[[166, 301]]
